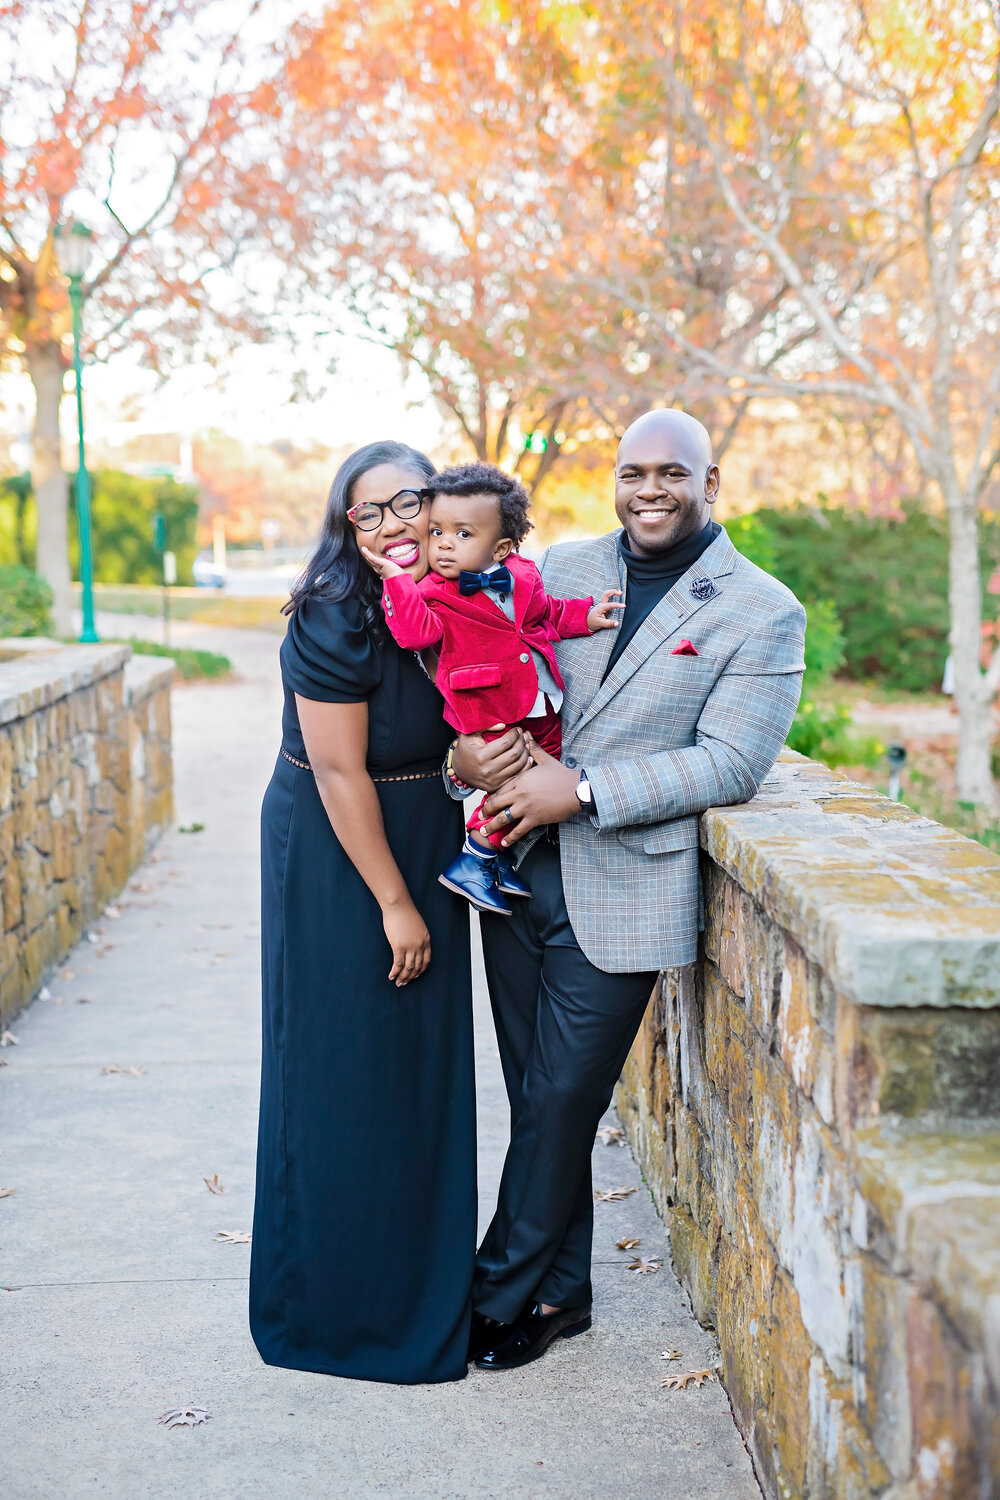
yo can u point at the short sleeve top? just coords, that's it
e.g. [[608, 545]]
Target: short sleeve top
[[330, 656]]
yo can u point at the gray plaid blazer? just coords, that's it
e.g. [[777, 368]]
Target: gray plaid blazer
[[663, 738]]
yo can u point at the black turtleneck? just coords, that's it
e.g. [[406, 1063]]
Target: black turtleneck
[[649, 578]]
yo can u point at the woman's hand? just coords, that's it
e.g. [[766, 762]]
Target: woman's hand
[[599, 616], [383, 566], [409, 940], [488, 766]]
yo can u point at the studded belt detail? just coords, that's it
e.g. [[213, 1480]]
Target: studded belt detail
[[304, 765]]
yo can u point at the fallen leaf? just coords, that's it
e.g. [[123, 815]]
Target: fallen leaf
[[8, 1039], [84, 1000], [141, 885], [213, 1184], [612, 1135], [127, 1072], [192, 828], [103, 952], [112, 912], [628, 1243], [67, 974], [234, 1236], [681, 1382], [672, 1354], [184, 1416], [614, 1195], [3, 1062], [645, 1265], [7, 1192]]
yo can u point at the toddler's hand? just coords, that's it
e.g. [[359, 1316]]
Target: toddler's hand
[[381, 565], [599, 616]]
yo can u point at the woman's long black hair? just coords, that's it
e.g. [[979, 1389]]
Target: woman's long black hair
[[336, 569]]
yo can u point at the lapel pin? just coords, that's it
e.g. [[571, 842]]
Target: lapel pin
[[703, 588]]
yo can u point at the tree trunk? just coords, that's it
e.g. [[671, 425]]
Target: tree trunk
[[973, 776], [49, 482]]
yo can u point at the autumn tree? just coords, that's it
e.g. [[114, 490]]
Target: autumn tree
[[851, 155], [149, 123], [452, 139]]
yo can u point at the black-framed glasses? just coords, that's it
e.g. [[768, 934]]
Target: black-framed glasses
[[367, 516]]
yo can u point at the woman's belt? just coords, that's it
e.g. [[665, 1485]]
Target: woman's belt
[[304, 765]]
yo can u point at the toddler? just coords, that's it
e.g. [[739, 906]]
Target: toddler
[[486, 611]]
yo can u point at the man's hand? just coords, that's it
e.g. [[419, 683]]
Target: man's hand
[[545, 793], [599, 616], [488, 766], [383, 566]]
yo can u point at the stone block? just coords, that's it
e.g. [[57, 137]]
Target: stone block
[[925, 1062], [842, 1463], [819, 1221], [878, 1310], [940, 1396], [12, 912], [6, 771], [775, 1112], [789, 1406], [805, 1046], [694, 1259]]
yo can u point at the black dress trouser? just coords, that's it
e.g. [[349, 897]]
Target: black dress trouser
[[564, 1029]]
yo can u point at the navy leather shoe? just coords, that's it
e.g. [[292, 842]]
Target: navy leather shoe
[[508, 880], [476, 880], [530, 1335]]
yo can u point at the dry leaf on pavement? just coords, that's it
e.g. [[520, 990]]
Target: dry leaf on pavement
[[184, 1416], [681, 1382], [113, 912], [7, 1192], [234, 1236], [67, 974], [614, 1195], [8, 1039], [612, 1135], [628, 1242], [672, 1354], [213, 1184], [142, 886], [126, 1072], [645, 1265]]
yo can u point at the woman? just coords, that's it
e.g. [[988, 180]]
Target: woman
[[365, 1218]]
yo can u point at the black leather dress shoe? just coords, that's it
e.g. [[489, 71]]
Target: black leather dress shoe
[[484, 1332], [529, 1336]]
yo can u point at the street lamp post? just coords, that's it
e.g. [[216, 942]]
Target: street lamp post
[[72, 244]]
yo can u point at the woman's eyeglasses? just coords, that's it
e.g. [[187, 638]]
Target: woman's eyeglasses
[[406, 504]]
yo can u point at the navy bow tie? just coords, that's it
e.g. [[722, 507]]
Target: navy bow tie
[[499, 579]]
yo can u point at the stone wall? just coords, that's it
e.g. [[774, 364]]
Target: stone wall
[[85, 789], [816, 1107]]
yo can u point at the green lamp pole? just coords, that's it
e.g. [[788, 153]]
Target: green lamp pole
[[72, 244]]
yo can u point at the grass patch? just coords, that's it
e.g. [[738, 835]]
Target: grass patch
[[191, 664]]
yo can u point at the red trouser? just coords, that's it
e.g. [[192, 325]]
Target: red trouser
[[547, 732]]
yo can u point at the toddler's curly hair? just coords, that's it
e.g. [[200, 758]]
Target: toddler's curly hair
[[487, 479]]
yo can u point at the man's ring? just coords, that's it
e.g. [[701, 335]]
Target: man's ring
[[510, 815]]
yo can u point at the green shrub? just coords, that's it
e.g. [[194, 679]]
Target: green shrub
[[888, 579], [122, 510], [25, 602]]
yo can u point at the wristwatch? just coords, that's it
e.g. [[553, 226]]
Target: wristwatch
[[585, 792]]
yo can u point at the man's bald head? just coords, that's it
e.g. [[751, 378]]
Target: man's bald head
[[677, 429], [665, 479]]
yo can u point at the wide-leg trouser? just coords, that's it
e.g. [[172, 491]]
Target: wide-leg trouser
[[564, 1029]]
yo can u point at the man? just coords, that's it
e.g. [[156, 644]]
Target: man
[[684, 707]]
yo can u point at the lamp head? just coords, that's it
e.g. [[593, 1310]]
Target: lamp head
[[72, 246]]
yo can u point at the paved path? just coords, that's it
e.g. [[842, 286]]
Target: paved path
[[117, 1301]]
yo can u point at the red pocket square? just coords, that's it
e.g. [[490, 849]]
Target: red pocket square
[[684, 649]]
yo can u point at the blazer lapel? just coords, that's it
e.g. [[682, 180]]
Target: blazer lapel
[[674, 610], [590, 662]]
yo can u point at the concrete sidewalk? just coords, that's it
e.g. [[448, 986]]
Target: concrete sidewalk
[[118, 1302]]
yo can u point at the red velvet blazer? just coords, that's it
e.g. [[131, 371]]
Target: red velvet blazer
[[485, 674]]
